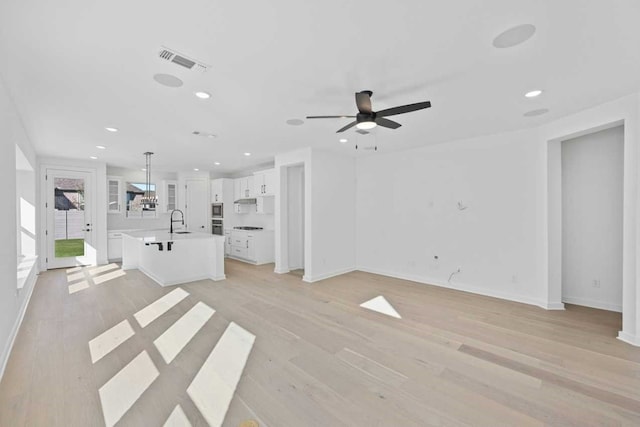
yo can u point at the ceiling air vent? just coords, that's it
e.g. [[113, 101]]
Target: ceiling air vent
[[182, 60]]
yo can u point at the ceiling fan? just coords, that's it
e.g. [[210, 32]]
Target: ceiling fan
[[368, 119]]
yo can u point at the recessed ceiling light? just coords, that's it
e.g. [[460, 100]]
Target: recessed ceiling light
[[196, 169], [112, 129], [101, 147], [143, 170], [202, 95], [168, 80], [344, 140], [295, 122], [533, 93], [93, 157], [247, 154], [216, 163], [534, 113], [514, 36]]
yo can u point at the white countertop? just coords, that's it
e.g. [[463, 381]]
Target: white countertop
[[165, 236]]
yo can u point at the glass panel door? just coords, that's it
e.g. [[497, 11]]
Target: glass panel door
[[69, 224]]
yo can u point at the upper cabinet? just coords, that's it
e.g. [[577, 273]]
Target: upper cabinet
[[244, 188], [264, 183], [217, 191], [168, 196], [114, 194], [171, 195]]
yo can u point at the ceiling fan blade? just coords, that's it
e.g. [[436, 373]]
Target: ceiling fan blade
[[350, 125], [381, 121], [403, 109], [363, 101], [331, 117]]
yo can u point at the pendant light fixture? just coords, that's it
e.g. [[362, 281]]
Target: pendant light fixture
[[149, 200]]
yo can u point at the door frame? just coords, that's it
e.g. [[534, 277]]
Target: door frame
[[44, 217]]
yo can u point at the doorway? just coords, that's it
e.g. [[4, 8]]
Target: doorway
[[592, 219], [196, 205], [70, 234]]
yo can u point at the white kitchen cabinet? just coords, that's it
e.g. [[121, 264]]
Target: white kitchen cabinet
[[227, 242], [243, 188], [217, 191], [114, 194], [264, 183], [255, 247], [265, 205], [114, 245], [168, 196]]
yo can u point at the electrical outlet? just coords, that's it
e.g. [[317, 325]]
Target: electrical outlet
[[514, 279], [412, 263], [596, 283]]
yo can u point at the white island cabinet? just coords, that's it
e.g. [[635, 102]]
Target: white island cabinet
[[171, 259]]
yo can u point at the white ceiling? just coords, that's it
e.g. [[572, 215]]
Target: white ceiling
[[76, 66]]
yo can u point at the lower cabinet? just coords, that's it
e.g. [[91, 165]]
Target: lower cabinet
[[227, 242], [256, 247], [114, 245]]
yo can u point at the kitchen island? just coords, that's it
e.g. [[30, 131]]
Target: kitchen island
[[174, 258]]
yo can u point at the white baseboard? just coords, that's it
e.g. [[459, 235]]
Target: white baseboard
[[324, 276], [465, 288], [28, 287], [553, 306], [629, 339], [592, 303]]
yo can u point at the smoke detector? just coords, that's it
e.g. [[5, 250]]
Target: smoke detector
[[178, 58]]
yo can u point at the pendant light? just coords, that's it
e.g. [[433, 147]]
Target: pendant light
[[149, 201]]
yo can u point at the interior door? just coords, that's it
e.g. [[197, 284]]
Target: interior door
[[197, 205], [70, 217]]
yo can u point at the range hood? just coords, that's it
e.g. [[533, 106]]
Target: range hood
[[251, 201]]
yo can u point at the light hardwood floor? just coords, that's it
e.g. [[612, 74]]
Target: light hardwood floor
[[321, 360]]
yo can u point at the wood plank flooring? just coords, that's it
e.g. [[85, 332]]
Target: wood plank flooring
[[319, 359]]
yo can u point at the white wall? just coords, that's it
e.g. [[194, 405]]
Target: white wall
[[592, 184], [408, 213], [120, 221], [333, 212], [295, 216], [329, 213], [13, 301]]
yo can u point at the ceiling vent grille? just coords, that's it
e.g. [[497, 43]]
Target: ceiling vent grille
[[182, 60]]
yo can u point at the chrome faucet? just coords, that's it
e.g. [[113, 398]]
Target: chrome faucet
[[177, 220]]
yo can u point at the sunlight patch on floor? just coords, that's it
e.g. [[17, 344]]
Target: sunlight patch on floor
[[106, 342], [77, 287], [177, 418], [159, 307], [174, 339], [109, 276], [381, 305], [214, 386], [125, 388]]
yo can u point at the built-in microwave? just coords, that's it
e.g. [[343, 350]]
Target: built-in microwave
[[216, 210]]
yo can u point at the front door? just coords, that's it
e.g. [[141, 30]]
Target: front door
[[70, 232]]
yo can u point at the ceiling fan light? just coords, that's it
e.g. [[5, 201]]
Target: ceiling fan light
[[366, 125]]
